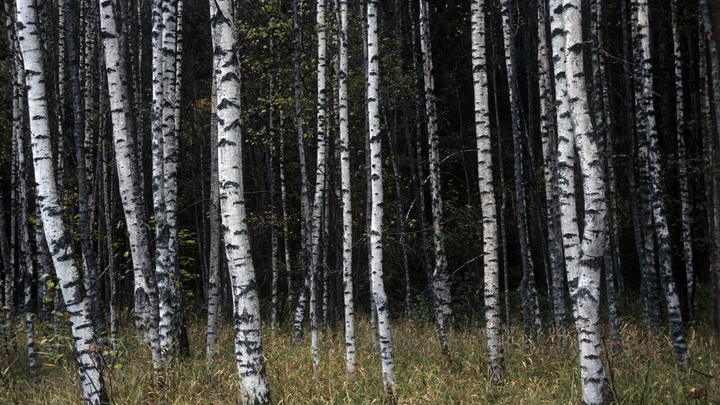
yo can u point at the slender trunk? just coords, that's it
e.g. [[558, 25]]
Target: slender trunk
[[304, 194], [246, 303], [89, 359], [346, 202], [715, 165], [285, 218], [682, 164], [602, 128], [648, 134], [566, 23], [215, 266], [549, 148], [24, 255], [531, 310], [439, 277], [275, 298], [376, 264], [146, 299], [493, 323], [84, 189]]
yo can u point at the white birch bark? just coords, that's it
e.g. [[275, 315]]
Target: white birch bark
[[146, 308], [171, 119], [493, 322], [90, 361], [346, 202], [439, 278], [570, 85], [682, 162], [648, 135], [248, 343], [531, 311], [319, 199], [215, 256], [376, 264], [549, 149]]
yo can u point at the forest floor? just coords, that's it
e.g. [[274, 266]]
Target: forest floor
[[644, 373]]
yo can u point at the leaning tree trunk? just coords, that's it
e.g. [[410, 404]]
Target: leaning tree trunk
[[83, 185], [90, 362], [647, 132], [376, 264], [439, 279], [493, 322], [531, 310], [566, 23], [246, 303], [146, 300]]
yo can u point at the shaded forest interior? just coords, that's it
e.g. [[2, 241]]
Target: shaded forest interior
[[266, 52]]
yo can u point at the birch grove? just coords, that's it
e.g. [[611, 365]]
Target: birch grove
[[255, 179]]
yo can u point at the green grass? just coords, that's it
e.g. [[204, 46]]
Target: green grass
[[548, 374]]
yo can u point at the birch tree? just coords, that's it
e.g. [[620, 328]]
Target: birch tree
[[682, 160], [714, 67], [577, 129], [549, 148], [146, 299], [439, 277], [650, 153], [90, 362], [213, 290], [246, 304], [531, 309], [346, 201], [376, 264], [318, 203], [493, 323]]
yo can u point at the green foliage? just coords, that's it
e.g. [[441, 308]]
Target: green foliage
[[546, 374]]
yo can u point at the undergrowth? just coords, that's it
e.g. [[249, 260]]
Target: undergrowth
[[547, 373]]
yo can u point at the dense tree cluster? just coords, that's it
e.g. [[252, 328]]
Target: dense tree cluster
[[546, 162]]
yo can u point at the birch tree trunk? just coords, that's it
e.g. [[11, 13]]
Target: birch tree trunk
[[531, 310], [246, 323], [146, 299], [24, 255], [303, 297], [376, 265], [439, 277], [346, 202], [549, 148], [83, 189], [319, 199], [89, 358], [214, 214], [493, 323], [604, 138], [715, 164], [648, 134], [682, 162], [573, 108]]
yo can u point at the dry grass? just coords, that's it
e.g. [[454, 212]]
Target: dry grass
[[548, 374]]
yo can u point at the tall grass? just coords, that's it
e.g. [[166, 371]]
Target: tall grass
[[548, 373]]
